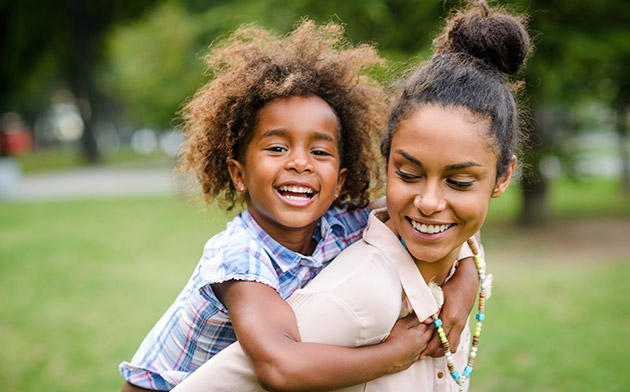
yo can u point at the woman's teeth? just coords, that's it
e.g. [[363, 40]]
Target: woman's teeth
[[429, 229]]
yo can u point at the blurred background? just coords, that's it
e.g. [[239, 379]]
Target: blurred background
[[97, 233]]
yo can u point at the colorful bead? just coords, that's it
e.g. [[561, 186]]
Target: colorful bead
[[475, 339]]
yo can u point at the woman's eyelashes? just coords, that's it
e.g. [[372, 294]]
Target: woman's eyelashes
[[454, 183], [406, 176], [459, 184]]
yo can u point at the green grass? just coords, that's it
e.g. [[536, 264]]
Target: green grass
[[81, 283], [556, 327]]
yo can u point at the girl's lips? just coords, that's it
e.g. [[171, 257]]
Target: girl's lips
[[296, 195]]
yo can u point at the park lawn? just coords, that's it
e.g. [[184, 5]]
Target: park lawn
[[81, 282]]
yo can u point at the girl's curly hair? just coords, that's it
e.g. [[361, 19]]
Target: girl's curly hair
[[252, 67]]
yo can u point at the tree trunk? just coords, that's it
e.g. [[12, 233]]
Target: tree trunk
[[535, 207], [622, 132], [84, 33]]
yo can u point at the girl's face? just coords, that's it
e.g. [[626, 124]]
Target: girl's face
[[291, 171], [440, 178]]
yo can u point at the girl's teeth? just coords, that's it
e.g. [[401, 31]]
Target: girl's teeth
[[296, 197], [296, 189], [429, 229]]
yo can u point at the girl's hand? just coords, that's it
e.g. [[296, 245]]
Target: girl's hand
[[408, 338], [460, 293]]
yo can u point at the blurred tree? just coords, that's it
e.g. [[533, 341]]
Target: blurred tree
[[44, 43], [154, 63], [582, 54]]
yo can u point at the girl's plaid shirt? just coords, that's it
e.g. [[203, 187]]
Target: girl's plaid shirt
[[197, 326]]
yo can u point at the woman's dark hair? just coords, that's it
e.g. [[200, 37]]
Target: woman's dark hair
[[252, 67], [479, 48]]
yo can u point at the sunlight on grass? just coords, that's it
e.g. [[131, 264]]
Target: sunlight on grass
[[82, 282], [554, 327]]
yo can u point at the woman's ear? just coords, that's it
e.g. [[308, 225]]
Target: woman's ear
[[504, 181], [237, 173]]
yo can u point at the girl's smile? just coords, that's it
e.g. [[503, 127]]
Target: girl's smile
[[291, 172]]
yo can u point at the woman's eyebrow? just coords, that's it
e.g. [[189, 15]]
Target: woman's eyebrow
[[463, 165], [409, 158], [456, 166]]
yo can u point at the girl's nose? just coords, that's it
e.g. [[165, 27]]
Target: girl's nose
[[299, 161]]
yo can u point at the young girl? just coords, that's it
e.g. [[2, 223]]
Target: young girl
[[449, 149], [284, 127]]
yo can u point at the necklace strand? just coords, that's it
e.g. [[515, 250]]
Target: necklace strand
[[461, 379]]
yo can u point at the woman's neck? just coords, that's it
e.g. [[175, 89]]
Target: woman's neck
[[438, 270]]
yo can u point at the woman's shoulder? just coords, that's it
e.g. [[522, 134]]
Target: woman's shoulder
[[360, 273], [359, 293]]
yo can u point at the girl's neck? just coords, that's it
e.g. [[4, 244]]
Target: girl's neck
[[299, 240]]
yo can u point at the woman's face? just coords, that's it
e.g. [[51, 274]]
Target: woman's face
[[441, 175]]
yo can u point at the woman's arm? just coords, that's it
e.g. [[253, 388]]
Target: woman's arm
[[267, 331]]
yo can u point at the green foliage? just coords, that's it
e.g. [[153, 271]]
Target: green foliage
[[153, 65], [155, 62]]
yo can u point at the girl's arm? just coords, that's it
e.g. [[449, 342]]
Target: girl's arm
[[460, 293], [267, 330]]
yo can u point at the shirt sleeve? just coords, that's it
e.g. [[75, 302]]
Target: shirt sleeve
[[234, 260]]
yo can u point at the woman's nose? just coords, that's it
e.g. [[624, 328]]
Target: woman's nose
[[429, 200]]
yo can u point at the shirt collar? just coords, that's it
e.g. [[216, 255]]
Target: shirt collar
[[381, 237], [285, 258]]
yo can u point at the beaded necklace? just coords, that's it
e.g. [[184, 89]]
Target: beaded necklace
[[485, 284]]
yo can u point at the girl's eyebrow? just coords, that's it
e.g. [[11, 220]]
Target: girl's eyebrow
[[275, 132], [284, 132], [455, 166]]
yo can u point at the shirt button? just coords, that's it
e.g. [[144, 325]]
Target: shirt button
[[440, 374]]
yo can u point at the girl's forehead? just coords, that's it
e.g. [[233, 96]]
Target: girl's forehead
[[297, 113]]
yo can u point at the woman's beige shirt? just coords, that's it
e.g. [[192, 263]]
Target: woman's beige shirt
[[353, 302]]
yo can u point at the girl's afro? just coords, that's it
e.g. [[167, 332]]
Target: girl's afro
[[252, 67]]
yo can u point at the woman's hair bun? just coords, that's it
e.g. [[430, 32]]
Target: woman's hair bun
[[497, 38]]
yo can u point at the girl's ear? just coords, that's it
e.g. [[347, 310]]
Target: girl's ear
[[341, 179], [237, 173], [503, 182]]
